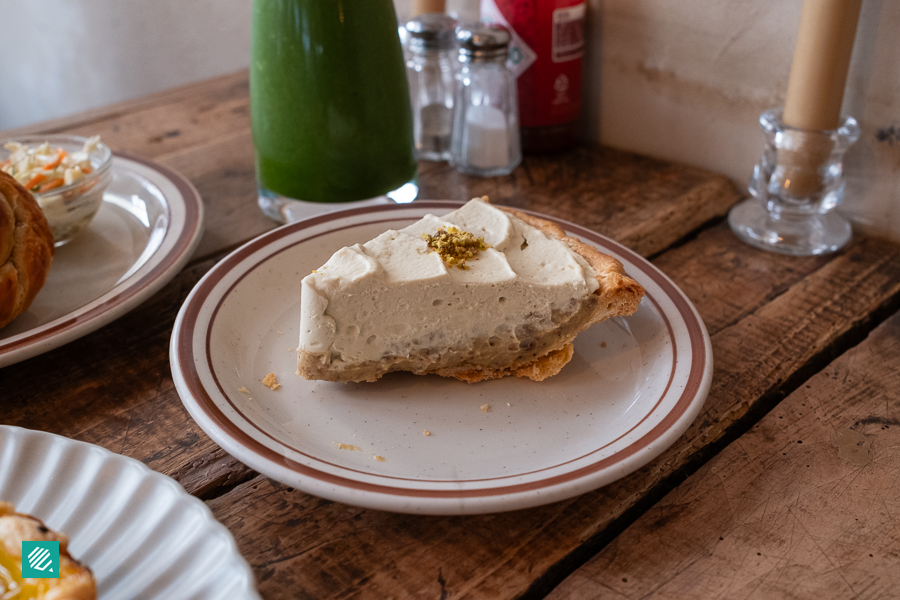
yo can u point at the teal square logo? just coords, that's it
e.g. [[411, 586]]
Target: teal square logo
[[40, 560]]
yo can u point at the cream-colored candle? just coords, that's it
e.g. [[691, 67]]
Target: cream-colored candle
[[421, 7], [821, 59]]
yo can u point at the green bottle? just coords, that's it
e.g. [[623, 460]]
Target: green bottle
[[329, 104]]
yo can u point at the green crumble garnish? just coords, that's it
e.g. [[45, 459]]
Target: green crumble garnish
[[455, 246]]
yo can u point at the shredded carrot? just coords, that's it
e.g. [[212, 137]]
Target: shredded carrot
[[32, 183], [56, 163], [37, 166], [50, 185]]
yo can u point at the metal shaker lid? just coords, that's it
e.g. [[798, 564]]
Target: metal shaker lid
[[483, 42], [431, 31]]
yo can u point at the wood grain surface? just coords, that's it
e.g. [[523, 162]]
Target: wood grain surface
[[525, 552], [774, 321], [805, 505]]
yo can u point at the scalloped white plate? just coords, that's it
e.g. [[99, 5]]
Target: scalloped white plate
[[141, 534], [633, 386]]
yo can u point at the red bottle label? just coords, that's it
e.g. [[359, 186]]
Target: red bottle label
[[546, 54]]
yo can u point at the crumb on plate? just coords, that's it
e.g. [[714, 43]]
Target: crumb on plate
[[426, 433], [270, 382], [243, 390], [379, 458], [485, 408], [346, 446]]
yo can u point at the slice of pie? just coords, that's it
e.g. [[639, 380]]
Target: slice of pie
[[75, 581], [480, 293]]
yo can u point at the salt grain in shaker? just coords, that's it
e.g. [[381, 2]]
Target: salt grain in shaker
[[430, 68], [486, 121]]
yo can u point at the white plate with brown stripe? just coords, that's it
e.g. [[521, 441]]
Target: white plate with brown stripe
[[148, 226], [632, 388]]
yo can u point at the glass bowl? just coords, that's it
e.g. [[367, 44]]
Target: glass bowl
[[69, 209]]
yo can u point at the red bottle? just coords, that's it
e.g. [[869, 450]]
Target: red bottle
[[546, 55]]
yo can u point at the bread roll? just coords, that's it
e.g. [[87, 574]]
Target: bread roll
[[26, 249]]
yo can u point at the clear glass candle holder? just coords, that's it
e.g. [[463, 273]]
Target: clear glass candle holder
[[796, 186]]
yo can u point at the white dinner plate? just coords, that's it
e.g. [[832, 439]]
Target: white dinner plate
[[633, 386], [141, 534], [145, 231]]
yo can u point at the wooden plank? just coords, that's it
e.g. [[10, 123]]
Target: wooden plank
[[114, 387], [148, 125], [727, 280], [222, 171], [609, 191], [300, 545], [805, 505], [645, 204]]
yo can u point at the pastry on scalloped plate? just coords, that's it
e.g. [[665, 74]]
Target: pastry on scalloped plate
[[76, 582]]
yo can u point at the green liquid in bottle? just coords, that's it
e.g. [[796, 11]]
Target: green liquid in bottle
[[329, 100]]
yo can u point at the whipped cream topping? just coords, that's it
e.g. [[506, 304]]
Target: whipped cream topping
[[394, 296]]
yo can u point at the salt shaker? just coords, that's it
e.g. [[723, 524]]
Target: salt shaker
[[486, 122], [431, 69]]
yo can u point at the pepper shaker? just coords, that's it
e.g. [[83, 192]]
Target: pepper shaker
[[431, 70], [486, 122]]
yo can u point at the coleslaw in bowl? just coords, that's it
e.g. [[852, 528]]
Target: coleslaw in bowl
[[67, 175]]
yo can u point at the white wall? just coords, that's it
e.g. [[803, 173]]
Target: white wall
[[681, 80], [687, 81], [65, 56]]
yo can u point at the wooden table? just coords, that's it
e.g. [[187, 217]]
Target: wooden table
[[786, 485]]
